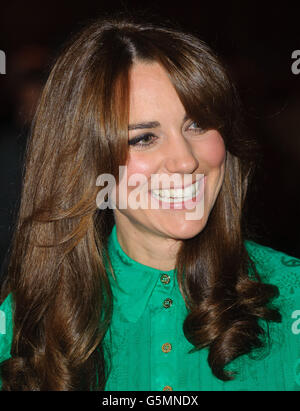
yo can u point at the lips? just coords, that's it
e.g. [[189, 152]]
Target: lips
[[179, 194], [182, 203], [179, 191]]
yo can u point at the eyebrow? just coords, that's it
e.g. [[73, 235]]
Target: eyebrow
[[149, 124]]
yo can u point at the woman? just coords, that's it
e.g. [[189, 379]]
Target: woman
[[128, 298]]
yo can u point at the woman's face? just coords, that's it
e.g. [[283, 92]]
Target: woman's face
[[173, 144]]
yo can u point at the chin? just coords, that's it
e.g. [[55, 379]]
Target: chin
[[188, 230]]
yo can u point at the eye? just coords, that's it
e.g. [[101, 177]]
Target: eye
[[195, 126], [147, 139]]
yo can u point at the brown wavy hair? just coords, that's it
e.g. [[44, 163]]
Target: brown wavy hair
[[56, 272]]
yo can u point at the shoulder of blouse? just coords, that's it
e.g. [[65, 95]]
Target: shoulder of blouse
[[277, 268], [6, 327]]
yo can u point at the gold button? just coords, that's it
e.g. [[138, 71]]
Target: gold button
[[167, 303], [167, 388], [165, 278], [166, 347]]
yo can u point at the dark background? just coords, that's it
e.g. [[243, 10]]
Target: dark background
[[255, 39]]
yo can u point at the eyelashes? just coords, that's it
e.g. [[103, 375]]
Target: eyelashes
[[149, 138], [144, 137]]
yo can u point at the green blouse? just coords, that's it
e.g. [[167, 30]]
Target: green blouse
[[149, 351]]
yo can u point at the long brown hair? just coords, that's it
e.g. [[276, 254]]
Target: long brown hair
[[56, 273]]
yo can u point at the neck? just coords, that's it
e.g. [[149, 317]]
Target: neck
[[147, 247]]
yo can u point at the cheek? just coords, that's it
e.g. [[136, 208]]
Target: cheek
[[213, 150], [141, 165], [137, 164]]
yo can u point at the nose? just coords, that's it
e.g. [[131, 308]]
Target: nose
[[180, 157]]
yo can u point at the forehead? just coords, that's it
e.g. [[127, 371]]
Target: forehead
[[151, 90]]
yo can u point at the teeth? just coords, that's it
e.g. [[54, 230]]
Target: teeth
[[179, 193]]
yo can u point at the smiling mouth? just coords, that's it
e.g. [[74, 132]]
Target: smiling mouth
[[177, 195]]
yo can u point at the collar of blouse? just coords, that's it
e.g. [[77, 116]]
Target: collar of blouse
[[134, 283]]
